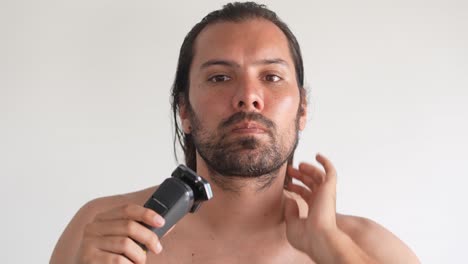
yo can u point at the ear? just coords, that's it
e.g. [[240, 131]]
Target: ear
[[303, 111], [184, 116], [303, 118]]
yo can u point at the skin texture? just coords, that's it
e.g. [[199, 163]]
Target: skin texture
[[245, 224]]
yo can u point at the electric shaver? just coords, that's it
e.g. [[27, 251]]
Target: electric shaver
[[178, 195]]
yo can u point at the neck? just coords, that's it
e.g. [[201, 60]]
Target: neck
[[244, 208]]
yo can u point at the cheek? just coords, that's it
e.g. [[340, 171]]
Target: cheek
[[210, 111], [284, 109]]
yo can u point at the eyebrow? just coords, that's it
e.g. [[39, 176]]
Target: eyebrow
[[271, 61], [213, 62], [234, 64]]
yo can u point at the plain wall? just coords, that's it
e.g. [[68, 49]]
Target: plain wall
[[84, 110]]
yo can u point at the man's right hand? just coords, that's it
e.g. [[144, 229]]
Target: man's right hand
[[112, 236]]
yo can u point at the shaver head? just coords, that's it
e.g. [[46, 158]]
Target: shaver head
[[201, 188]]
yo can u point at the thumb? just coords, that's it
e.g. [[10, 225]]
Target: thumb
[[291, 210]]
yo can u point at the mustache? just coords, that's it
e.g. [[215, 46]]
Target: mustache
[[250, 116]]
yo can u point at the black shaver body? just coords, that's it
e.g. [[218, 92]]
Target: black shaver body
[[176, 196]]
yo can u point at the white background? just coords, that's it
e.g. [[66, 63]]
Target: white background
[[84, 110]]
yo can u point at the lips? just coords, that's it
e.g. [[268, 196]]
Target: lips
[[249, 127]]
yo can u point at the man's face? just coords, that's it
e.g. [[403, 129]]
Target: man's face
[[243, 98]]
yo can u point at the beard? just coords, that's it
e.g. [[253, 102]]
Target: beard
[[248, 156]]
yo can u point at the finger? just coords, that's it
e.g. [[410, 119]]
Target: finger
[[296, 174], [121, 245], [129, 228], [133, 212], [291, 209], [108, 257], [291, 214], [291, 171], [328, 166], [305, 193], [294, 224], [313, 172]]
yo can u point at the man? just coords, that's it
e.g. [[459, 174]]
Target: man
[[240, 100]]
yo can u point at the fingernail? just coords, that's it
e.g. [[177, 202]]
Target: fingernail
[[158, 248], [159, 220]]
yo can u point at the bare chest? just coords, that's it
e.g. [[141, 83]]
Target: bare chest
[[208, 251]]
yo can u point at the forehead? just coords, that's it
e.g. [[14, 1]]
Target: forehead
[[243, 42]]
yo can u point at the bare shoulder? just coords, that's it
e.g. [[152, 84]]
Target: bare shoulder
[[375, 240], [88, 211], [69, 241]]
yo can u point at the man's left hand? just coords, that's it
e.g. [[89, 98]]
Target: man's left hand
[[319, 193]]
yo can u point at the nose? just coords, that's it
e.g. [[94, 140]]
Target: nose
[[248, 96]]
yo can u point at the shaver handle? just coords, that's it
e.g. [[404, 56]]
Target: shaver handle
[[172, 200]]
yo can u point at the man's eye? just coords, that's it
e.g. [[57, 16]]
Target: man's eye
[[219, 78], [272, 78]]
